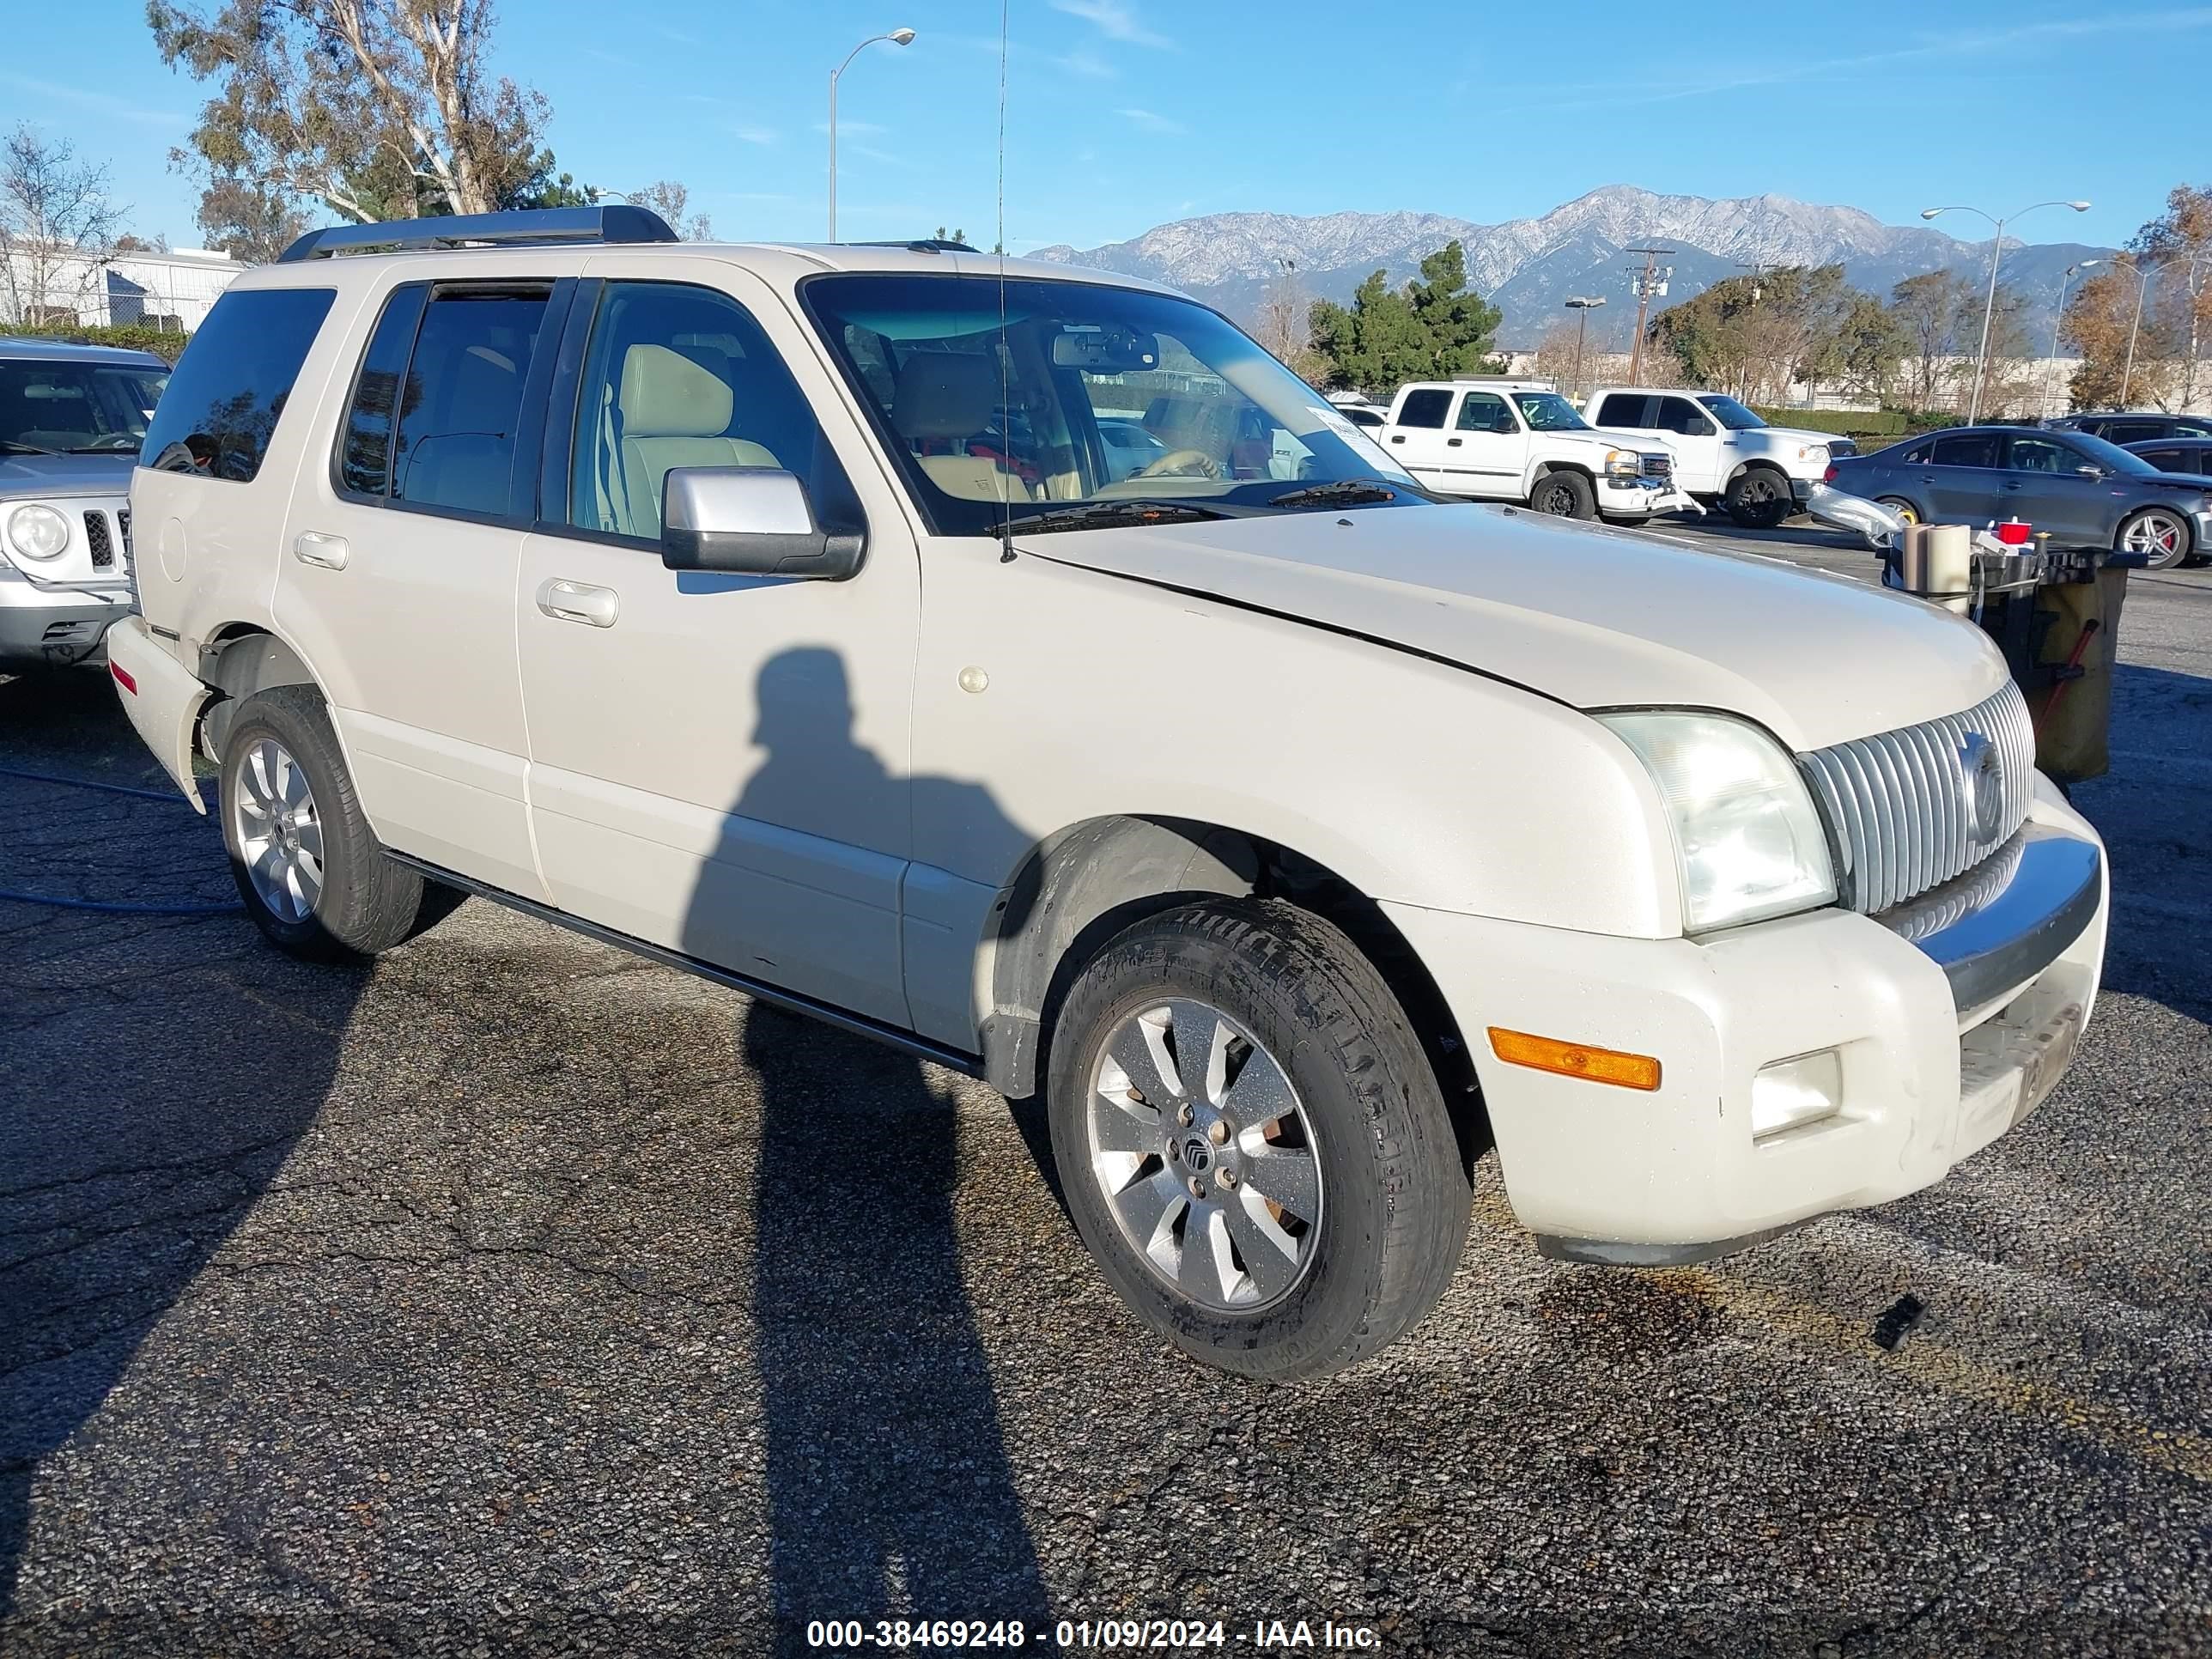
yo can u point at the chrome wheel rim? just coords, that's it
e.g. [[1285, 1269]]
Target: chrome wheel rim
[[1556, 500], [2156, 533], [1203, 1152], [280, 838]]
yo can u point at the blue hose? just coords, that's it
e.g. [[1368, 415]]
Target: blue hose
[[104, 907]]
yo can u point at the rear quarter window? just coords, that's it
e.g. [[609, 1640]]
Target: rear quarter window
[[1424, 408], [1623, 409], [221, 405]]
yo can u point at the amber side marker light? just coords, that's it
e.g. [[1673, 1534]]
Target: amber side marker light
[[1544, 1053]]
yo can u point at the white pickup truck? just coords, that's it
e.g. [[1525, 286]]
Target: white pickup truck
[[1723, 452], [1519, 440]]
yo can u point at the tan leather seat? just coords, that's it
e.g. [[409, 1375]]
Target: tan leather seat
[[946, 397], [673, 413]]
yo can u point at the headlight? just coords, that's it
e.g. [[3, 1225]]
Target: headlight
[[1748, 838], [38, 532], [1817, 455], [1622, 463]]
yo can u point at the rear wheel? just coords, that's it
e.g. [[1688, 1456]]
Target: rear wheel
[[1253, 1145], [313, 876], [1564, 496], [1759, 498], [1898, 505], [2156, 531]]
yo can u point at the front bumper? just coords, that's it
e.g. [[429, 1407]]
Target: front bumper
[[1608, 1174], [53, 628]]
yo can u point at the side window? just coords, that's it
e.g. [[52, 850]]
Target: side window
[[221, 404], [462, 402], [1966, 449], [2132, 432], [1627, 409], [1425, 408], [1680, 414], [2042, 455], [2191, 429], [2170, 460], [1485, 411], [682, 376], [1918, 454], [364, 457]]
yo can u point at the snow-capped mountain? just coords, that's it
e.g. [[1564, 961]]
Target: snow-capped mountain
[[1528, 266]]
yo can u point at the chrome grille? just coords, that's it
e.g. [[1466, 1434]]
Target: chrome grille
[[1658, 464], [97, 538], [1901, 809]]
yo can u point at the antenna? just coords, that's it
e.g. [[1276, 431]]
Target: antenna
[[1006, 413]]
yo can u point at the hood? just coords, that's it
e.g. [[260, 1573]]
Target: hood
[[1595, 617], [23, 478], [1627, 437], [1793, 434], [2178, 480]]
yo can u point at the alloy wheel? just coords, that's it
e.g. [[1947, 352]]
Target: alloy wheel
[[279, 836], [2158, 534], [1203, 1152]]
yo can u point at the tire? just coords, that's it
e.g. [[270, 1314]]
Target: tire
[[1758, 498], [321, 887], [1898, 505], [1563, 494], [1363, 1154], [2160, 532]]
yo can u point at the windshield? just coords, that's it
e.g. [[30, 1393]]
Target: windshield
[[1731, 414], [76, 408], [2110, 455], [1087, 394], [1547, 411]]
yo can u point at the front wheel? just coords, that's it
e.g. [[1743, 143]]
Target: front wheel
[[1760, 499], [1253, 1144], [313, 876], [1896, 504], [1563, 496], [2162, 534]]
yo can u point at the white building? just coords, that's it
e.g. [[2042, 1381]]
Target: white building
[[174, 288]]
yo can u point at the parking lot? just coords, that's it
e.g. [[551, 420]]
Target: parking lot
[[520, 1293]]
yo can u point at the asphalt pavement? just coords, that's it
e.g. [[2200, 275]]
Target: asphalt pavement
[[515, 1295]]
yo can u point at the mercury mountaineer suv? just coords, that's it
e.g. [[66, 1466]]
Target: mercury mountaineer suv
[[778, 613]]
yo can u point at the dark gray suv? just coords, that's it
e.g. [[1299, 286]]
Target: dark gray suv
[[2085, 492]]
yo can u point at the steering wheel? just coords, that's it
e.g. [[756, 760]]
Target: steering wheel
[[1182, 464]]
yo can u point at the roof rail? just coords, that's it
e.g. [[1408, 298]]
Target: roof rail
[[920, 245], [520, 227]]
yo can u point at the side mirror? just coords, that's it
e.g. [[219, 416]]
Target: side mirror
[[2087, 471], [750, 521]]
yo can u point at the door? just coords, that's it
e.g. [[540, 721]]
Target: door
[[1486, 450], [2044, 484], [1415, 438], [1961, 481], [397, 578], [718, 764], [1703, 458]]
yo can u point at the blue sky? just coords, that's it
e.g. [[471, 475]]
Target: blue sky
[[1121, 114]]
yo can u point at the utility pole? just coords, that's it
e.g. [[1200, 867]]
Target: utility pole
[[1650, 280], [1582, 305]]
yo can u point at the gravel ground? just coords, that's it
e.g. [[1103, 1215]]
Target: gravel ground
[[519, 1296]]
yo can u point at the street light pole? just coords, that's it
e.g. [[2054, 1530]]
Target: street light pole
[[2051, 368], [1581, 305], [1989, 305], [2143, 274], [897, 38]]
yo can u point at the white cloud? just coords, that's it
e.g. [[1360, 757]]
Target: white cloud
[[754, 135], [1151, 122], [1113, 20], [1085, 63], [101, 103]]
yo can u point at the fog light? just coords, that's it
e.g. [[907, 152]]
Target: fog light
[[1792, 1093]]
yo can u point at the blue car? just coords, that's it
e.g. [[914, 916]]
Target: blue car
[[2085, 491]]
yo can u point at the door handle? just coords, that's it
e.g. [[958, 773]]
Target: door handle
[[578, 602], [2012, 486], [313, 547], [1452, 443], [1398, 438]]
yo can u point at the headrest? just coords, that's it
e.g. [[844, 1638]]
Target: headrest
[[666, 395], [943, 394]]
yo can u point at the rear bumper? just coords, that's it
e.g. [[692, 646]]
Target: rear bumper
[[162, 697], [1674, 1174]]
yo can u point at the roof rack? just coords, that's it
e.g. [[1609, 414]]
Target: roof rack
[[920, 245], [520, 227]]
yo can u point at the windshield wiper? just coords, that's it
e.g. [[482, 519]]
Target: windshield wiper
[[19, 447], [1098, 515], [1338, 493]]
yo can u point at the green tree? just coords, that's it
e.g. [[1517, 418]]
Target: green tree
[[1431, 328], [1756, 335], [370, 108]]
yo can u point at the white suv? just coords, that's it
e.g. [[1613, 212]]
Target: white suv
[[1520, 441], [778, 613], [1724, 451]]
